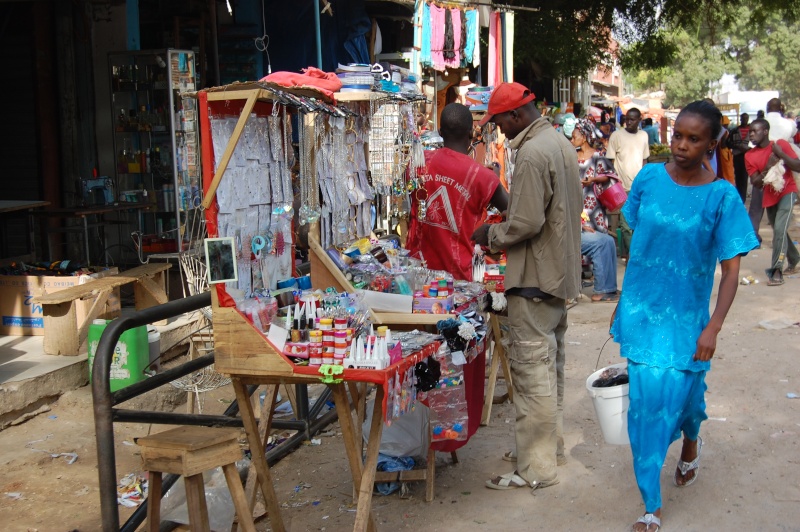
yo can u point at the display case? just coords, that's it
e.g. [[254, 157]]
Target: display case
[[155, 142]]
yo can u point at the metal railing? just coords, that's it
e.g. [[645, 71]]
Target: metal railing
[[309, 420]]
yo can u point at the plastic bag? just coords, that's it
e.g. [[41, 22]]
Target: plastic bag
[[218, 500], [406, 436]]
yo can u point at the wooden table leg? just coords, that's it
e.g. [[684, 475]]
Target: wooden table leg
[[267, 409], [196, 503], [352, 447], [364, 511], [243, 510], [507, 375], [489, 398], [258, 456], [154, 501], [361, 412]]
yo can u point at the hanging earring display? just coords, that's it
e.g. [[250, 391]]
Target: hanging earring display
[[422, 204], [288, 193], [303, 177], [310, 143]]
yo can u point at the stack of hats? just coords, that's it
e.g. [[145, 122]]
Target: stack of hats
[[477, 98]]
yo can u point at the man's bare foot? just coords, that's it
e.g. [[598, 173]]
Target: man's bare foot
[[648, 522], [689, 453]]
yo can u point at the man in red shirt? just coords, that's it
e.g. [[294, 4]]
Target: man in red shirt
[[779, 205], [456, 191]]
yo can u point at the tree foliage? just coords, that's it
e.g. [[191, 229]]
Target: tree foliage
[[762, 56], [769, 57], [570, 37]]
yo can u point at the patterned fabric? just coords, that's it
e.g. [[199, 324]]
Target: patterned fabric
[[597, 165], [663, 403], [679, 235]]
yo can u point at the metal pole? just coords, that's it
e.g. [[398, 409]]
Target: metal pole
[[319, 34], [103, 400]]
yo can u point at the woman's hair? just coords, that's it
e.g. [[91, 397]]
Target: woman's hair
[[707, 111], [590, 132]]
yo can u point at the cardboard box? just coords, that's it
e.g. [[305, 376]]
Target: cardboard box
[[21, 317], [383, 302], [433, 305], [494, 283]]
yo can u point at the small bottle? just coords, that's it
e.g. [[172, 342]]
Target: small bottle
[[443, 288]]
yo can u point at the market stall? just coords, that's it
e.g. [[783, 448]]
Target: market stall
[[271, 326]]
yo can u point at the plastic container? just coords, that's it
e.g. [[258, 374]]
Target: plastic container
[[131, 355], [154, 348], [611, 407]]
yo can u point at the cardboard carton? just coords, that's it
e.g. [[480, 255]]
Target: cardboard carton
[[433, 305], [21, 317], [383, 302]]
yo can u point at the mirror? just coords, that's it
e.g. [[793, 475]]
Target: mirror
[[220, 260]]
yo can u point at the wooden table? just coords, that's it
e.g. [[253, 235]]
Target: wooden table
[[245, 355], [499, 360], [14, 206], [63, 335], [84, 213]]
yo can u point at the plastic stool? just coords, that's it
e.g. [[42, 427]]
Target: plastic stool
[[188, 451]]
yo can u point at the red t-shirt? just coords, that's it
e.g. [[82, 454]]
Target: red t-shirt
[[458, 192], [756, 159]]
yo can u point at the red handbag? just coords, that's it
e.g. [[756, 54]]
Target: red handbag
[[613, 197]]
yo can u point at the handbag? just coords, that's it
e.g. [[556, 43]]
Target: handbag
[[613, 197]]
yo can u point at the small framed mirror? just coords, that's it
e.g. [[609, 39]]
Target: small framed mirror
[[220, 260]]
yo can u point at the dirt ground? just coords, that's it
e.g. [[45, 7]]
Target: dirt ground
[[749, 477]]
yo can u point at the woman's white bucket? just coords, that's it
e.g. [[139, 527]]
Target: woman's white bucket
[[611, 406]]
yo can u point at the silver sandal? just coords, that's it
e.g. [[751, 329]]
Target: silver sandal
[[685, 467], [649, 519]]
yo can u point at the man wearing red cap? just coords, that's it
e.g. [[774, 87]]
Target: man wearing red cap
[[541, 237]]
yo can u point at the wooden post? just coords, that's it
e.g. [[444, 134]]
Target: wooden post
[[257, 455]]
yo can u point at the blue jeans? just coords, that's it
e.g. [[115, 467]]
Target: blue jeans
[[601, 249]]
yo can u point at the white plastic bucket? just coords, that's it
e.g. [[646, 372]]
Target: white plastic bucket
[[611, 406], [154, 345]]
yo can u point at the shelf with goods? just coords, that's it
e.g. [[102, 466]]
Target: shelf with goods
[[155, 141]]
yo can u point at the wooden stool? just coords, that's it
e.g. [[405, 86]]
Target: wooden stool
[[188, 451]]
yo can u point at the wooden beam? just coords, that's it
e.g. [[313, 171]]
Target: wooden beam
[[258, 456], [94, 312], [226, 156]]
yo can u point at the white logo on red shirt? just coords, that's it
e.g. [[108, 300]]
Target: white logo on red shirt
[[440, 211]]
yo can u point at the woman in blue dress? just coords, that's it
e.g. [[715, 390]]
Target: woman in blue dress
[[684, 221]]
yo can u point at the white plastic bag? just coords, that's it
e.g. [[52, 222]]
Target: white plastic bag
[[406, 436], [774, 177]]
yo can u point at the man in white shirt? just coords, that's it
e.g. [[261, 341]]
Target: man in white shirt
[[630, 149], [780, 128]]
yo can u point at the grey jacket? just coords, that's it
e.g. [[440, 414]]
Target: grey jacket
[[542, 232]]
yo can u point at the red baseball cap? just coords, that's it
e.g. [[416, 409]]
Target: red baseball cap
[[507, 97]]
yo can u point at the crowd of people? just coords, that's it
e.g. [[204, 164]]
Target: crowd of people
[[677, 221]]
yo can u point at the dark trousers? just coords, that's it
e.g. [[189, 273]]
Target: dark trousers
[[740, 173], [756, 211]]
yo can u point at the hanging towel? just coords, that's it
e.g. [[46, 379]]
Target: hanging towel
[[470, 44], [449, 37], [455, 59], [508, 46], [425, 52], [437, 36], [463, 42], [495, 44]]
